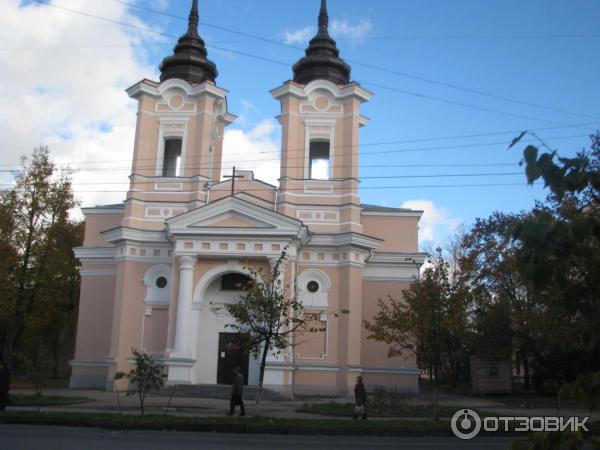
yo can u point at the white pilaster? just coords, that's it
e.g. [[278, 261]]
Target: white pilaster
[[184, 307]]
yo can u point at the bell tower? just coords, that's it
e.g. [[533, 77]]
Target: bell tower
[[179, 133], [320, 119]]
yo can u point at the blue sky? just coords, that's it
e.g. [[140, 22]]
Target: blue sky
[[534, 51]]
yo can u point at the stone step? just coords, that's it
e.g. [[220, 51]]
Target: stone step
[[219, 391]]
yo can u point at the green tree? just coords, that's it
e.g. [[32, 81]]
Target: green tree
[[267, 318], [145, 377], [430, 320], [559, 252], [37, 263]]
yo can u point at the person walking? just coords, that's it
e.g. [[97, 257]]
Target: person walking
[[360, 399], [237, 392]]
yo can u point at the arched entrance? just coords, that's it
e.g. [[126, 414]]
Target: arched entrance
[[216, 346]]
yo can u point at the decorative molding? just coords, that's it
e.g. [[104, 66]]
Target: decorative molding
[[386, 370], [413, 213], [98, 273], [90, 364], [317, 368], [123, 234], [351, 90], [95, 253]]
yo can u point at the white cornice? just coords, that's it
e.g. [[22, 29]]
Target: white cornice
[[391, 370], [102, 211], [413, 213], [95, 253], [397, 258], [351, 90], [130, 234], [352, 239], [158, 90]]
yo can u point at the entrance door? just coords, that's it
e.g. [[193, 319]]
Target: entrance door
[[231, 354]]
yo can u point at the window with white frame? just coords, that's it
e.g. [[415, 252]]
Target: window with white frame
[[172, 157], [158, 285], [319, 157]]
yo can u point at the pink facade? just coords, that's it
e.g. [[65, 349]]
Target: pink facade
[[153, 267]]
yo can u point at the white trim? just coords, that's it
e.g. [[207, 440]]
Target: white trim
[[315, 368], [413, 213], [351, 90], [103, 211], [98, 273], [85, 253], [386, 370], [130, 234], [98, 363]]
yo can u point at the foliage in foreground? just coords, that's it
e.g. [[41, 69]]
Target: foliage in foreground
[[146, 376], [38, 271]]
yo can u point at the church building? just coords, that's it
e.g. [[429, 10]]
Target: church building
[[157, 269]]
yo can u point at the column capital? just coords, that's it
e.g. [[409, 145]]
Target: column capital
[[186, 262]]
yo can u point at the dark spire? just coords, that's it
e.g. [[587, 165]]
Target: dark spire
[[189, 61], [322, 60]]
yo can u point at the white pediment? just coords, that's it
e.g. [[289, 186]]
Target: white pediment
[[233, 216]]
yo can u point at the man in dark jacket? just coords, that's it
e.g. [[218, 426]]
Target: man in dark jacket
[[360, 397], [237, 392], [4, 385]]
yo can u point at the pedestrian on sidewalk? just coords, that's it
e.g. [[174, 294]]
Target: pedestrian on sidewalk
[[4, 385], [360, 399], [237, 392]]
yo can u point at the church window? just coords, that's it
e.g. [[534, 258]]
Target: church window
[[312, 286], [234, 282], [319, 160], [161, 282], [172, 157]]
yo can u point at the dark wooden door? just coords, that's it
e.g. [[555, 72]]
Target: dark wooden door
[[231, 354]]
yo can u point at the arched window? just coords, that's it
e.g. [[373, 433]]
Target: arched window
[[158, 285], [319, 159], [313, 289]]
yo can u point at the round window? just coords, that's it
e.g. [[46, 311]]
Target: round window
[[312, 286], [161, 282]]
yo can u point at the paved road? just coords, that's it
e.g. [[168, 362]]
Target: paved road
[[25, 437]]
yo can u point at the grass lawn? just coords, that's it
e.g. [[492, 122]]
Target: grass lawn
[[405, 411], [229, 424], [50, 400], [25, 382]]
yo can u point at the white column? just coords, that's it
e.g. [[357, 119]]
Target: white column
[[184, 307]]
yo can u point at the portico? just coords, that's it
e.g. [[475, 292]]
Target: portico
[[222, 238]]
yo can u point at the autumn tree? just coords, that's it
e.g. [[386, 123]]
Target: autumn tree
[[38, 271], [429, 320]]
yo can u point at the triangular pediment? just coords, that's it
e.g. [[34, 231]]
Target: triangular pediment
[[231, 219], [233, 216]]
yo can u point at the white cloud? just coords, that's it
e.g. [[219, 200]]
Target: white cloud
[[342, 29], [59, 93], [301, 36], [160, 4], [339, 29], [257, 150], [436, 223]]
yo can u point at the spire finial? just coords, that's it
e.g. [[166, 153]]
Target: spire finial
[[323, 18], [190, 59], [194, 19]]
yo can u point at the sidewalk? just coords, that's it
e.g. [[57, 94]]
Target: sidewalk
[[206, 407]]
